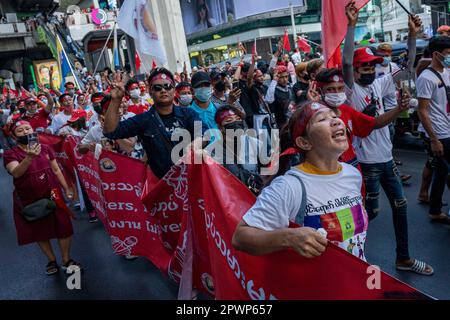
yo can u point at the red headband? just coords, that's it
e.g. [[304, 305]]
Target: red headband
[[223, 115], [301, 122], [335, 78], [18, 124], [161, 76]]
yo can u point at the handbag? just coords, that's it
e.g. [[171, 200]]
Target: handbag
[[38, 210]]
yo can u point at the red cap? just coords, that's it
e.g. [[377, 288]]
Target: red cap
[[77, 114], [17, 124], [220, 117], [365, 55]]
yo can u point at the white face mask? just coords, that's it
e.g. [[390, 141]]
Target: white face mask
[[335, 99], [136, 93]]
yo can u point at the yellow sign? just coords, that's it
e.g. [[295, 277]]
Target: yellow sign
[[216, 36], [42, 72], [195, 54]]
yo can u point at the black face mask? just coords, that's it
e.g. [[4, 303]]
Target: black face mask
[[366, 79], [234, 125], [220, 86], [22, 140]]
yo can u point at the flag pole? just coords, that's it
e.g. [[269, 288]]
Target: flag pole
[[104, 47], [294, 28], [70, 65]]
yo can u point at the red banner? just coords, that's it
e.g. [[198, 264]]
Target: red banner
[[186, 228]]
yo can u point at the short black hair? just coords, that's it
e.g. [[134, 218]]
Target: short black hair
[[130, 82], [157, 71], [182, 85], [439, 44], [326, 74], [246, 67], [62, 96], [69, 83]]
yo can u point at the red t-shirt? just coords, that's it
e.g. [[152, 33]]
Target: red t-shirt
[[138, 108], [358, 124], [38, 120]]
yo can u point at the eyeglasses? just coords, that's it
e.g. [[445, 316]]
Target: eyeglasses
[[165, 86]]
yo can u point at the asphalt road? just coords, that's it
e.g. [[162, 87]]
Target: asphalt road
[[108, 276]]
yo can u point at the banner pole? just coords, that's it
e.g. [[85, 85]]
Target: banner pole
[[104, 47]]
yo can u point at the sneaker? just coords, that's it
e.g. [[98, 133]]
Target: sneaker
[[77, 205], [129, 257], [93, 219]]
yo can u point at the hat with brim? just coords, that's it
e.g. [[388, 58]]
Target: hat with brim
[[365, 56], [77, 114]]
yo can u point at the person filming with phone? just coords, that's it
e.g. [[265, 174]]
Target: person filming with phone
[[39, 210]]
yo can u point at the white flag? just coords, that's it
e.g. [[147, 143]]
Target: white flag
[[135, 19]]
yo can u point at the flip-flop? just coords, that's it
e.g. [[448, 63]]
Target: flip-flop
[[51, 268], [70, 263], [418, 267]]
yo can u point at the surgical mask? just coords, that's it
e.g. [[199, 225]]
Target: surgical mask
[[71, 92], [234, 125], [136, 93], [45, 101], [335, 100], [203, 94], [185, 99], [366, 79], [446, 61], [220, 86], [386, 61]]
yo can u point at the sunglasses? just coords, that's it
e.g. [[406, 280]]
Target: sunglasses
[[159, 87]]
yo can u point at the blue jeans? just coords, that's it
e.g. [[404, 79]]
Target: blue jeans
[[387, 175]]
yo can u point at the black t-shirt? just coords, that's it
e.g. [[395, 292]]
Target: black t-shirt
[[170, 122], [302, 87], [280, 106]]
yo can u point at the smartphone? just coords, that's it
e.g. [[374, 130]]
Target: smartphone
[[235, 85], [33, 139]]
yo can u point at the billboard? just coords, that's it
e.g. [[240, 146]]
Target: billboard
[[199, 15]]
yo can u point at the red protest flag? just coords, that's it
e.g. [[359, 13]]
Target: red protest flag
[[334, 28], [303, 45], [286, 43], [137, 61]]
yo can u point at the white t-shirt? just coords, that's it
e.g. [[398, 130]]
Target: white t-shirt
[[94, 135], [430, 87], [334, 203], [67, 130], [92, 116], [377, 147], [58, 121]]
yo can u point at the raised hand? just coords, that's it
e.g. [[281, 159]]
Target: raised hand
[[414, 24], [34, 151], [313, 95], [352, 13]]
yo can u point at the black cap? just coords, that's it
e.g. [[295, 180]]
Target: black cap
[[200, 78]]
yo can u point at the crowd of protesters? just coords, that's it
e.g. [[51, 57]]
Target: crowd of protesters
[[333, 124]]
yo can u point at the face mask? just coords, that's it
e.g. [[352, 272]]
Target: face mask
[[234, 125], [366, 79], [45, 101], [386, 61], [446, 61], [185, 99], [22, 140], [203, 94], [71, 92], [335, 99], [136, 93], [220, 86]]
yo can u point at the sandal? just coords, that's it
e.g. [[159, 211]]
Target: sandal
[[51, 268], [70, 263], [419, 267], [440, 218]]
